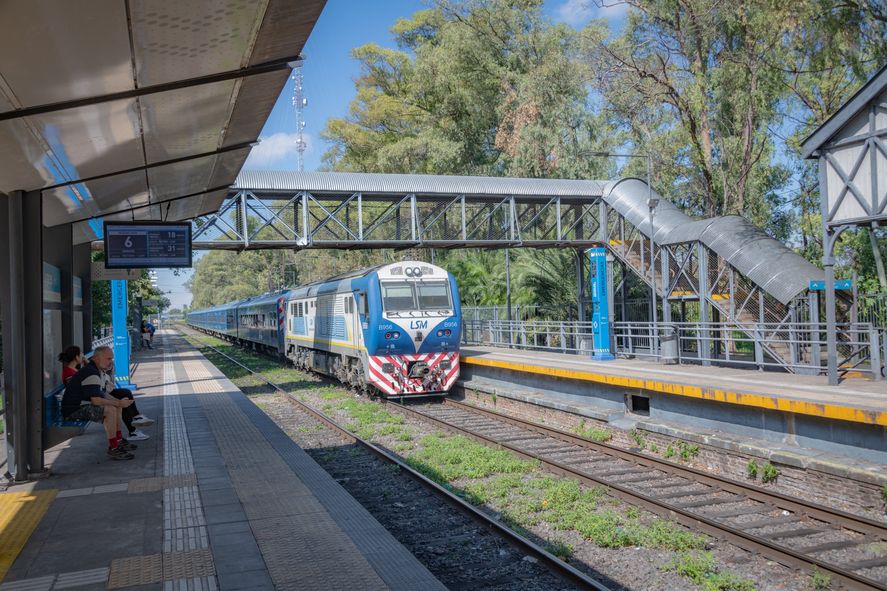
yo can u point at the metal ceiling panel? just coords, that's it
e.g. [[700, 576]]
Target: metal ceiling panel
[[93, 140], [25, 163], [255, 99], [187, 209], [285, 29], [174, 40], [83, 50], [227, 167], [59, 51], [187, 121]]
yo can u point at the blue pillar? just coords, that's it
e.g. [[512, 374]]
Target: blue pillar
[[600, 317], [119, 313]]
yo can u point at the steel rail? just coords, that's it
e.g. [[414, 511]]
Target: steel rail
[[756, 544], [553, 563]]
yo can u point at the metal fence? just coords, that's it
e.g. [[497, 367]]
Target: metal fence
[[796, 347], [872, 308]]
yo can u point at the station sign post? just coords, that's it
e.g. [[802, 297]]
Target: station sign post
[[119, 314], [600, 317]]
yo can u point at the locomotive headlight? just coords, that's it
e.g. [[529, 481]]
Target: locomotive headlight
[[440, 333], [448, 332], [409, 271], [395, 335], [387, 336], [417, 272]]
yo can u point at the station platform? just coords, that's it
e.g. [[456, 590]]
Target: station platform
[[856, 400], [849, 419], [218, 498]]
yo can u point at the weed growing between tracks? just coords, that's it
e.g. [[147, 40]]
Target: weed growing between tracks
[[517, 491]]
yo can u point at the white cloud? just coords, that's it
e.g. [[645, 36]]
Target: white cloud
[[276, 149], [579, 12]]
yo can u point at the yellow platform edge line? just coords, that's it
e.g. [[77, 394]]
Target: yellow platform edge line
[[20, 514], [803, 407]]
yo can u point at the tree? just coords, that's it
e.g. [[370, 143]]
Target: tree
[[476, 87]]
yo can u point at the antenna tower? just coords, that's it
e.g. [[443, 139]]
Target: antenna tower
[[299, 104]]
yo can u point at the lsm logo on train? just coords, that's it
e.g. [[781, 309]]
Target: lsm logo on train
[[417, 324]]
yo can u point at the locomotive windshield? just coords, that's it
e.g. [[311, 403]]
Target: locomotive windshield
[[398, 297], [403, 296], [433, 295]]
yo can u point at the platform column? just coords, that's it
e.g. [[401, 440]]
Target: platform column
[[704, 316], [22, 332], [57, 251], [600, 318], [83, 270], [119, 315]]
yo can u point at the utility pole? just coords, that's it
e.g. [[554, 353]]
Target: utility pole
[[299, 104]]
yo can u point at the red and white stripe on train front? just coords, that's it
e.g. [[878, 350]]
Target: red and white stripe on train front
[[390, 373]]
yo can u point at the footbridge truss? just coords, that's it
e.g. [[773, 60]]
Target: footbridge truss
[[743, 276]]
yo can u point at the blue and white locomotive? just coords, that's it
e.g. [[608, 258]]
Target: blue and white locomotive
[[395, 328]]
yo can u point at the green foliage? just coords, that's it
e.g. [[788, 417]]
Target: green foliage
[[884, 494], [701, 568], [445, 459], [670, 451], [639, 438], [688, 450], [769, 473], [751, 468], [820, 580], [593, 432], [559, 548]]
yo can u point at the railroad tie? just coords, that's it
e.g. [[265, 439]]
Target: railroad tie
[[706, 502], [780, 520], [868, 563], [796, 533], [833, 545]]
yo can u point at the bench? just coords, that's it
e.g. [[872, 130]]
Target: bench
[[52, 411]]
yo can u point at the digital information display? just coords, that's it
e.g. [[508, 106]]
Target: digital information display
[[145, 244]]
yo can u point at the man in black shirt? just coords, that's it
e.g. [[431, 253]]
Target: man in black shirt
[[86, 399]]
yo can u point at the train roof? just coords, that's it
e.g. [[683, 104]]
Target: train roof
[[313, 288]]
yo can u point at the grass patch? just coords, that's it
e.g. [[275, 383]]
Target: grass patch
[[884, 494], [593, 432], [368, 419], [445, 459], [310, 429], [820, 580], [751, 468], [769, 473], [559, 548], [701, 568], [639, 438]]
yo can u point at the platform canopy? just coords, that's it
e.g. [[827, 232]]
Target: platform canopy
[[139, 109]]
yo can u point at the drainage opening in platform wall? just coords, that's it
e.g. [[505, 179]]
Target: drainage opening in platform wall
[[639, 405]]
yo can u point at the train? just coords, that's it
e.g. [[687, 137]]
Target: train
[[392, 330]]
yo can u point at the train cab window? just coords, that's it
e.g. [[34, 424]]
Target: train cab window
[[397, 296], [433, 295]]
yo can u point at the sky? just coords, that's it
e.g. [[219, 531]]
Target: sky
[[328, 83]]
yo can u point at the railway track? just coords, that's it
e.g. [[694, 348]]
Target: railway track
[[556, 566], [786, 530]]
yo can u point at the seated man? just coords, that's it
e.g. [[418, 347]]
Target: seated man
[[86, 398]]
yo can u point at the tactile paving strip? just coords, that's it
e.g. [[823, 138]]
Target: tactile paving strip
[[143, 485], [156, 568], [20, 512]]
